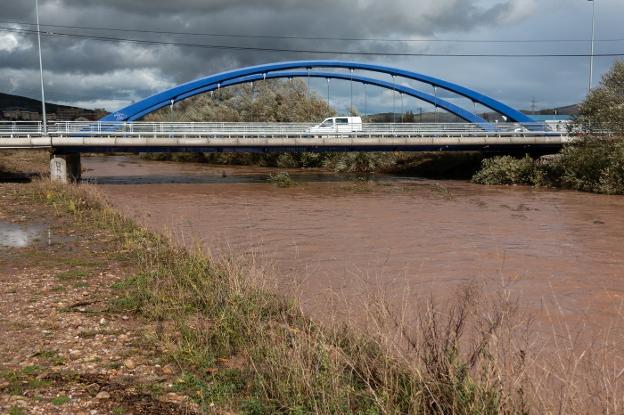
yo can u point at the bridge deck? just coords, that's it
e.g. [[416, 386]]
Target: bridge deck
[[107, 137]]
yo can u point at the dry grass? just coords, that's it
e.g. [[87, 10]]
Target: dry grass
[[248, 350]]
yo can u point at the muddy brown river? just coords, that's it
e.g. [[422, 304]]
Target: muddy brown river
[[334, 242]]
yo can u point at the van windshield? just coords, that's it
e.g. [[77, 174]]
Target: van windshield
[[327, 123]]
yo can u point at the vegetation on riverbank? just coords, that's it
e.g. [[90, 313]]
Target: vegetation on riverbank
[[593, 163]]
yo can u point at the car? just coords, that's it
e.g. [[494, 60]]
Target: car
[[338, 125]]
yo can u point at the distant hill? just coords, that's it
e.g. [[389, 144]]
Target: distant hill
[[567, 110], [445, 117], [10, 102]]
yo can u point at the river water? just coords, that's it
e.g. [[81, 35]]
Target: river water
[[334, 242]]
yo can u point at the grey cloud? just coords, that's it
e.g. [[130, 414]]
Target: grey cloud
[[82, 62]]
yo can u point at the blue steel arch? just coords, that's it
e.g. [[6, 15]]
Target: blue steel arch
[[448, 106], [154, 102]]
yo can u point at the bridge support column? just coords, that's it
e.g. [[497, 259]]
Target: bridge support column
[[65, 168]]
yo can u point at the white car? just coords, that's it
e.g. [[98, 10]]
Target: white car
[[338, 125]]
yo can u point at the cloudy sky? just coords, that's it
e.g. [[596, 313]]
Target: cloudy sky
[[94, 73]]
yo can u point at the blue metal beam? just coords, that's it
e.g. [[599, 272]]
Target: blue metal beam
[[163, 98], [448, 106]]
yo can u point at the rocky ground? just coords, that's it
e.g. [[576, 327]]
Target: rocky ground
[[63, 347]]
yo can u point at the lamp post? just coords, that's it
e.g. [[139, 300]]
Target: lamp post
[[591, 57], [43, 100]]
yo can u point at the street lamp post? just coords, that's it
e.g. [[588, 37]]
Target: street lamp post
[[43, 100], [591, 57]]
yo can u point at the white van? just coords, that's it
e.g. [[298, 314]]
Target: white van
[[338, 125]]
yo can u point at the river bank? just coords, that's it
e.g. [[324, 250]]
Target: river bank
[[64, 349], [234, 344]]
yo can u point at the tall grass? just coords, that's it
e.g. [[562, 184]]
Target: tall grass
[[243, 348]]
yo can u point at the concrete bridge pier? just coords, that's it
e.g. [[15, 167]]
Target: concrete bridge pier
[[65, 168]]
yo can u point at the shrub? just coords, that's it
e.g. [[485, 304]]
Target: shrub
[[360, 163], [281, 179], [593, 165], [510, 170]]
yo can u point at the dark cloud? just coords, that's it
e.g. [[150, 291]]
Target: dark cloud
[[85, 71]]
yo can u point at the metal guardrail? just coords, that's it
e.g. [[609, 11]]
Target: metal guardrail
[[242, 130]]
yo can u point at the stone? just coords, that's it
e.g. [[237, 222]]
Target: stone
[[168, 370], [93, 388], [174, 397], [102, 395], [129, 363]]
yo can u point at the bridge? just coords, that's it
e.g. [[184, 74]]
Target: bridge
[[122, 130]]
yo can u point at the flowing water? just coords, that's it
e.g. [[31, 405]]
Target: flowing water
[[334, 241]]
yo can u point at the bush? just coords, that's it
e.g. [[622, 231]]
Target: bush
[[281, 179], [360, 163], [510, 170], [593, 165]]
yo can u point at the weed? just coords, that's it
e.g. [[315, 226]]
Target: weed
[[281, 179], [74, 274], [51, 356], [61, 400], [21, 381], [31, 370], [16, 410]]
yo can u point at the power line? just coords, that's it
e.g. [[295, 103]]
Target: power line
[[308, 51], [292, 37]]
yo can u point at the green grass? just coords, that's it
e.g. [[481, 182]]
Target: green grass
[[50, 356], [71, 275], [61, 400], [24, 380], [32, 370], [16, 410]]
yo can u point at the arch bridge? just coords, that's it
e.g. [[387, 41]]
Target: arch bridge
[[122, 130], [286, 70]]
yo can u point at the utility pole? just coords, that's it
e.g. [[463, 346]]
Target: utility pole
[[43, 100], [591, 57]]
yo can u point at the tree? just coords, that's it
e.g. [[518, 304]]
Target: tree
[[266, 101], [604, 106]]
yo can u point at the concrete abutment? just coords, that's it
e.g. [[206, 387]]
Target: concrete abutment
[[65, 168]]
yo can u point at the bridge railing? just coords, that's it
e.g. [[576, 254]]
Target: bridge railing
[[8, 128], [169, 129]]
